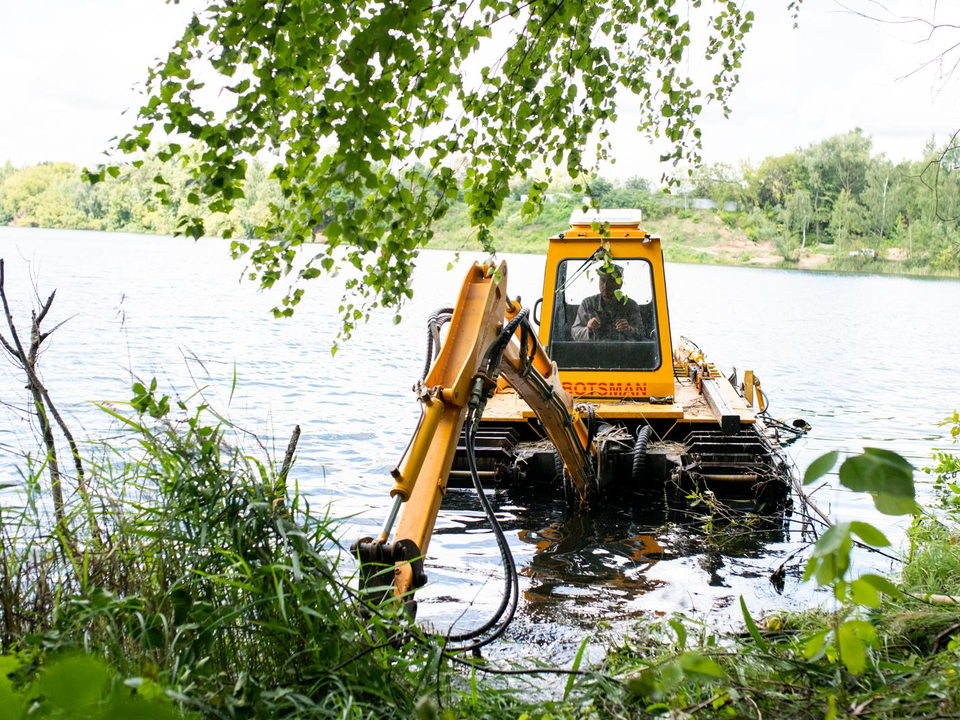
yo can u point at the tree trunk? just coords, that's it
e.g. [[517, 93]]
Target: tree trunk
[[883, 217]]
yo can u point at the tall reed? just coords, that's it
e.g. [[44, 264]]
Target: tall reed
[[201, 575]]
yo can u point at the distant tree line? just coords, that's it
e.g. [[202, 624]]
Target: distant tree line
[[834, 197], [53, 195], [837, 196]]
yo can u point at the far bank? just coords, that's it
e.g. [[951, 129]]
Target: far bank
[[712, 237]]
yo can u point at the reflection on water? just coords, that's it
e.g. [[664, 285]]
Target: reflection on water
[[858, 357], [635, 554]]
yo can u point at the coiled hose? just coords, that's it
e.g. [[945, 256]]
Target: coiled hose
[[497, 624]]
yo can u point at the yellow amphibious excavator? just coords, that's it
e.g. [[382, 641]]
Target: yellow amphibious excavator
[[598, 401]]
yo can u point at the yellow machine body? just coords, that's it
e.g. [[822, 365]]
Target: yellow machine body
[[597, 400]]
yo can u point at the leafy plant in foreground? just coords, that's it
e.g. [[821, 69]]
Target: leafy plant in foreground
[[212, 586], [812, 665], [888, 478], [80, 687]]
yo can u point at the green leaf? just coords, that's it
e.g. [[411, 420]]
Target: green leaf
[[814, 648], [832, 539], [869, 534], [891, 505], [9, 701], [878, 471], [752, 626], [8, 665], [130, 708], [887, 476], [820, 467], [853, 651], [697, 664], [644, 685], [681, 633], [881, 584], [72, 684], [864, 630], [571, 679], [474, 696], [863, 593]]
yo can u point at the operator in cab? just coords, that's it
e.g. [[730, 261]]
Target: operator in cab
[[604, 316]]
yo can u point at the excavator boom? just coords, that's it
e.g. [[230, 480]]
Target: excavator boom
[[488, 335]]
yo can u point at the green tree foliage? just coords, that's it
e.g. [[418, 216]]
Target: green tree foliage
[[43, 196], [907, 214], [844, 221], [352, 96], [881, 199], [800, 213], [720, 183], [776, 178], [53, 195], [855, 205]]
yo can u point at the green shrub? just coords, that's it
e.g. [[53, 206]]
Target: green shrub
[[730, 219], [192, 565]]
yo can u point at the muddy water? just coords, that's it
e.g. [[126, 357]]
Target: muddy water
[[866, 360]]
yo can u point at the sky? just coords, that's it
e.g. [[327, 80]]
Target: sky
[[69, 68]]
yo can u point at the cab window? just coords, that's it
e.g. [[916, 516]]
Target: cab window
[[594, 329]]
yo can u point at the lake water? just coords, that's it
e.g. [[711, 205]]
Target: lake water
[[867, 360]]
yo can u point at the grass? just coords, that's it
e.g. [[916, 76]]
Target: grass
[[934, 566], [203, 576]]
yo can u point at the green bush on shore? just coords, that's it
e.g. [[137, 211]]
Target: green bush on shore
[[206, 585]]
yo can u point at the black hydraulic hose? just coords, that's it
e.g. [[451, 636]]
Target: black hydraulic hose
[[497, 624], [511, 593], [437, 317], [494, 353], [639, 465], [591, 423]]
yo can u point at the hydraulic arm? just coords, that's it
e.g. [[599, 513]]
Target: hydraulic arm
[[488, 336]]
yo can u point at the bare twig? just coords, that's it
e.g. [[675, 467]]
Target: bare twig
[[946, 633], [26, 360], [43, 404], [526, 671], [281, 488]]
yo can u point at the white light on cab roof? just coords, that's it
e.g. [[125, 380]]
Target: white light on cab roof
[[615, 218]]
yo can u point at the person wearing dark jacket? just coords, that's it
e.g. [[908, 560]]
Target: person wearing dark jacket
[[604, 316]]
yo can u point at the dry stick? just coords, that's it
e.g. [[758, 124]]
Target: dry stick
[[810, 504], [829, 523], [36, 338], [946, 633], [43, 402], [281, 487], [77, 461], [527, 671], [32, 384]]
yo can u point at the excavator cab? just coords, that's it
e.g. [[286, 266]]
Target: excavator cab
[[607, 247]]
